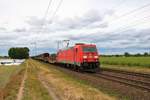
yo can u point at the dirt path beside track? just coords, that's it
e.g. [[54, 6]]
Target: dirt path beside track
[[34, 88], [21, 89], [49, 88]]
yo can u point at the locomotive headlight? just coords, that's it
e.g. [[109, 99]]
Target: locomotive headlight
[[84, 57], [95, 57]]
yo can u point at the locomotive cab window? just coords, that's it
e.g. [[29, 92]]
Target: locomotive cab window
[[89, 49]]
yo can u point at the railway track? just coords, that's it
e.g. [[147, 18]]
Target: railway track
[[137, 80], [133, 79], [146, 75]]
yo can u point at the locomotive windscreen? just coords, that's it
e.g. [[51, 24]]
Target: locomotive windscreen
[[89, 49]]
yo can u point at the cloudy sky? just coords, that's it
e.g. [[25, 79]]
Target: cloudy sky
[[115, 26]]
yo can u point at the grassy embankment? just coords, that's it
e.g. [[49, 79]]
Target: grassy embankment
[[129, 63], [10, 80], [33, 89]]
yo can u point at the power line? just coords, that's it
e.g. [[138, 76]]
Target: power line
[[141, 21], [134, 10], [45, 15], [126, 14], [128, 27], [131, 12], [49, 4], [57, 8], [43, 23]]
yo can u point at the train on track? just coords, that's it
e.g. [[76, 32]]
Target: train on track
[[80, 57]]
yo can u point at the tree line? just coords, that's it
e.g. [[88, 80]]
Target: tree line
[[19, 53], [127, 54]]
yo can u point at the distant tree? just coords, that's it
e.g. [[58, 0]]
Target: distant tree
[[138, 55], [19, 53], [145, 54], [126, 54], [117, 55]]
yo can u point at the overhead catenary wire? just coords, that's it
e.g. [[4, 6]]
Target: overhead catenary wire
[[52, 15], [134, 10], [57, 9], [138, 21], [130, 12], [47, 10], [133, 23], [127, 28], [43, 22], [45, 15]]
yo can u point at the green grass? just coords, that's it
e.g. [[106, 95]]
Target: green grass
[[126, 61], [34, 90], [10, 80], [6, 72]]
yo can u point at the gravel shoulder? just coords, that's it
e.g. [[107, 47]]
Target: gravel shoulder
[[21, 89]]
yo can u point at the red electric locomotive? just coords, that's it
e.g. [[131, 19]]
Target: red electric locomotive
[[83, 57]]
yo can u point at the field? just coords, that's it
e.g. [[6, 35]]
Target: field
[[35, 80], [126, 61]]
